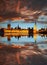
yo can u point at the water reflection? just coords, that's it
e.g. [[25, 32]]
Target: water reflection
[[30, 53], [23, 39], [19, 35], [23, 46]]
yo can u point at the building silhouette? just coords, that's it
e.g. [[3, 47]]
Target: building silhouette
[[2, 32], [30, 32]]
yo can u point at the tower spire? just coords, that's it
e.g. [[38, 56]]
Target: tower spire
[[35, 32]]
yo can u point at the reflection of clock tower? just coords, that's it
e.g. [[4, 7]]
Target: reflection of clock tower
[[35, 31]]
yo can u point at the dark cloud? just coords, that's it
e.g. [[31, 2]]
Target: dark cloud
[[38, 4], [8, 7]]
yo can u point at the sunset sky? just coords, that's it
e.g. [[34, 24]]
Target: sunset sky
[[16, 8]]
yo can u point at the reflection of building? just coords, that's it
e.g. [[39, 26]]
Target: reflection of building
[[2, 32], [43, 35], [30, 32], [16, 32], [43, 31]]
